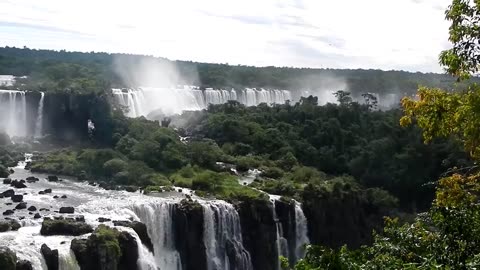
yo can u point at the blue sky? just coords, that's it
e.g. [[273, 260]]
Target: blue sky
[[385, 34]]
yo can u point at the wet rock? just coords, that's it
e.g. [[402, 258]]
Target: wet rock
[[7, 181], [8, 259], [102, 219], [23, 265], [17, 198], [8, 212], [8, 203], [48, 190], [44, 209], [8, 193], [18, 184], [37, 216], [64, 196], [52, 178], [50, 256], [91, 183], [20, 206], [67, 210], [11, 171], [41, 192], [80, 219], [9, 225], [55, 197], [32, 179], [30, 213], [64, 227], [106, 248], [32, 208], [140, 229]]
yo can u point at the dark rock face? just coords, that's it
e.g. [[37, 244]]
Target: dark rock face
[[37, 216], [50, 256], [52, 178], [32, 179], [21, 206], [24, 265], [139, 228], [8, 212], [9, 225], [259, 233], [340, 219], [32, 208], [286, 216], [7, 181], [67, 210], [8, 259], [18, 184], [48, 190], [8, 193], [188, 223], [106, 249], [64, 227], [17, 198]]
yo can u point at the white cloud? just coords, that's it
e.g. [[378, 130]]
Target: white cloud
[[394, 34]]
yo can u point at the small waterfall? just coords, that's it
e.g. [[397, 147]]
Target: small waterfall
[[39, 122], [301, 232], [281, 242], [223, 238], [67, 260], [158, 219], [13, 112]]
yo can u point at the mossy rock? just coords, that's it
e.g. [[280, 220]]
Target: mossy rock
[[64, 227], [8, 259]]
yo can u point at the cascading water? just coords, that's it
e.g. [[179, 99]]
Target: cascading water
[[39, 122], [158, 219], [13, 112], [222, 233], [301, 232], [281, 242], [145, 100]]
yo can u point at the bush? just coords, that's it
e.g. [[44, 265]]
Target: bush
[[114, 166]]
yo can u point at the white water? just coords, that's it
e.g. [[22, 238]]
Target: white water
[[281, 242], [145, 100], [301, 232], [13, 112], [39, 122], [222, 226]]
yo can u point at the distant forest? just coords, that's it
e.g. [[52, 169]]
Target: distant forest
[[49, 70]]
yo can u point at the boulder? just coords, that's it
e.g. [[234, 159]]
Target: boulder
[[41, 192], [20, 206], [32, 208], [48, 190], [17, 198], [9, 225], [8, 193], [80, 219], [50, 256], [64, 196], [7, 181], [106, 248], [52, 178], [37, 216], [64, 227], [18, 184], [8, 212], [55, 197], [67, 210], [102, 219], [139, 228], [24, 265], [8, 259]]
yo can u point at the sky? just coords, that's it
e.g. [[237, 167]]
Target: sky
[[377, 34]]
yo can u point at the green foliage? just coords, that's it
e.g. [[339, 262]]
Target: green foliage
[[3, 171]]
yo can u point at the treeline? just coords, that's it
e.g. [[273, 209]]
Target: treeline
[[94, 72]]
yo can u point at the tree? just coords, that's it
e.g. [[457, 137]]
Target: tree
[[343, 97], [370, 100]]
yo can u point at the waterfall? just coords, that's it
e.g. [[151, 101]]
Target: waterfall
[[13, 112], [281, 242], [39, 122], [157, 216], [222, 235], [301, 232], [67, 260], [168, 101]]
